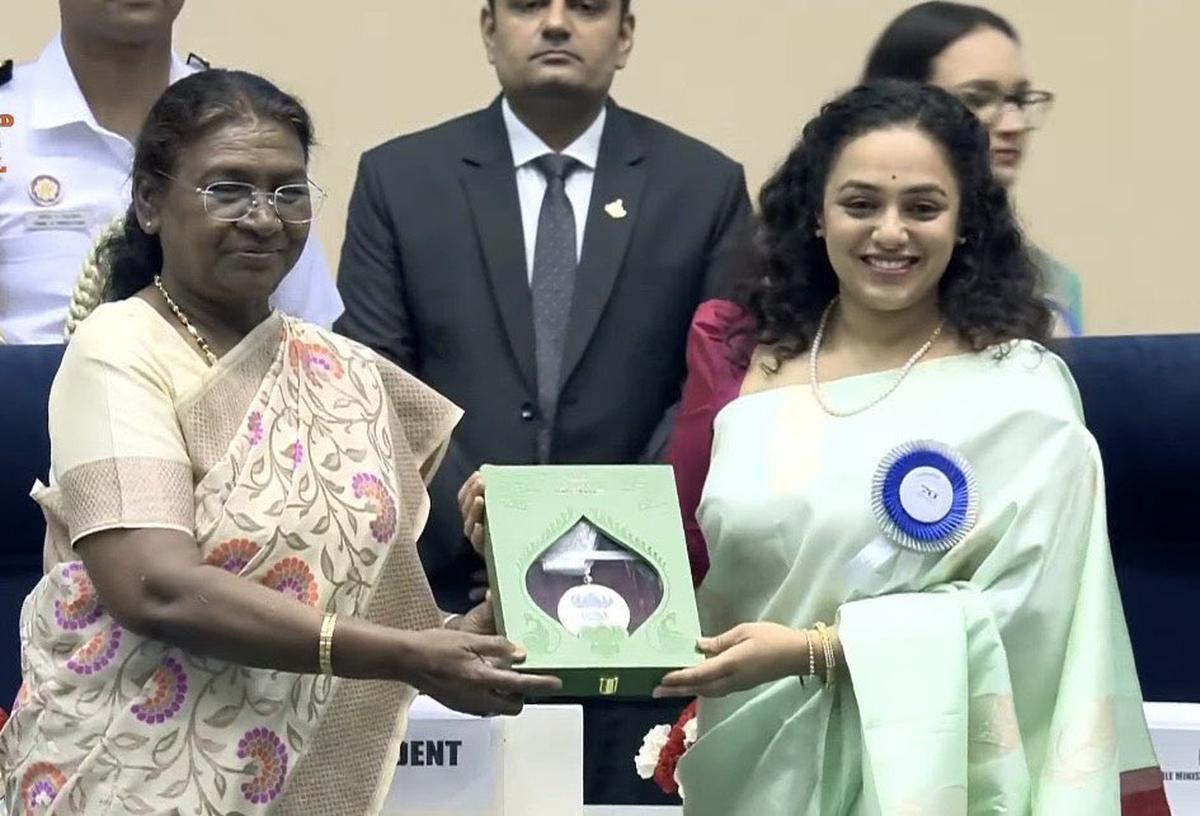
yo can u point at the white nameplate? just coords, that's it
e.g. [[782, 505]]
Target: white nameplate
[[452, 764], [41, 220], [1175, 732]]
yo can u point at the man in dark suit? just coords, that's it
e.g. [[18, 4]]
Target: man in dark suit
[[538, 262]]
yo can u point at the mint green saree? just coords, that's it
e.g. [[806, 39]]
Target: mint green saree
[[993, 678]]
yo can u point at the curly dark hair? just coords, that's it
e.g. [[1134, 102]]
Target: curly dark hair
[[989, 293], [186, 111]]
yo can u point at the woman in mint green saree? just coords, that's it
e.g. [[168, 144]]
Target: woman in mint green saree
[[909, 590]]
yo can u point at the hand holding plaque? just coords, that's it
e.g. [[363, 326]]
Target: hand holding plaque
[[589, 572]]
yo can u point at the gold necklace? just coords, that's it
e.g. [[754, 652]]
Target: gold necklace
[[209, 357], [812, 367]]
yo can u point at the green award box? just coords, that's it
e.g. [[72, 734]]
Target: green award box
[[589, 574]]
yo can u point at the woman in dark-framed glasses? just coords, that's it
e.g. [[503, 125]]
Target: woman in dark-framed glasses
[[977, 55]]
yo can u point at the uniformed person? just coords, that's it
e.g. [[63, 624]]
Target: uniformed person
[[72, 117]]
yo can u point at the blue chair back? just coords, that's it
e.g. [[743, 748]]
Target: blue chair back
[[25, 376], [1141, 398]]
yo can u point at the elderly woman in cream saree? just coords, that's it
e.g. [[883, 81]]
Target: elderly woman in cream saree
[[297, 461], [233, 617]]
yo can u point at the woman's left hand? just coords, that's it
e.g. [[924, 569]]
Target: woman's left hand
[[746, 656], [470, 505]]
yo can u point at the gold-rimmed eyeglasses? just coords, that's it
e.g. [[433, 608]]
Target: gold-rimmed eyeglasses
[[231, 201]]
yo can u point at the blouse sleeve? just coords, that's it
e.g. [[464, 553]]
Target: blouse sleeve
[[715, 371], [117, 450]]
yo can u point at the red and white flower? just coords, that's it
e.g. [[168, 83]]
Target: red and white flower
[[662, 748]]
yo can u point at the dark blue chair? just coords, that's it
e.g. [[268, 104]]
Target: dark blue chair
[[1141, 396], [26, 373]]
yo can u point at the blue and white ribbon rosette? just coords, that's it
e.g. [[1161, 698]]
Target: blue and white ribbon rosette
[[924, 496], [926, 502]]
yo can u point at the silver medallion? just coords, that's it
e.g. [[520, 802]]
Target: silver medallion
[[592, 606]]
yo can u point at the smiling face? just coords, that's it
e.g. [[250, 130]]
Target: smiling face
[[557, 46], [226, 262], [890, 219]]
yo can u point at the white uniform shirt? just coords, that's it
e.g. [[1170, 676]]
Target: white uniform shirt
[[531, 184], [42, 248]]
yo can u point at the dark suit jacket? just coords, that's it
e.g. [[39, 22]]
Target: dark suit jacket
[[434, 277]]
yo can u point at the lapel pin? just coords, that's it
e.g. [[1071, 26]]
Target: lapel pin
[[616, 209], [45, 190]]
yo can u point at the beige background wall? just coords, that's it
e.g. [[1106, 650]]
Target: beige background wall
[[1110, 188]]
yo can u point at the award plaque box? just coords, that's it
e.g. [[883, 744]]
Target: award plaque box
[[589, 574]]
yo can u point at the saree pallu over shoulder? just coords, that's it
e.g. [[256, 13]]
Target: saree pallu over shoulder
[[308, 456]]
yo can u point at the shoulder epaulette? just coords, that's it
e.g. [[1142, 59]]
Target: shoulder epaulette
[[197, 61], [6, 72]]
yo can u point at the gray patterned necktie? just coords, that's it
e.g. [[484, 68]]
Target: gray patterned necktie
[[552, 287]]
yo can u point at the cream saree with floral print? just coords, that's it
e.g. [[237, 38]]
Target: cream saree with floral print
[[298, 462]]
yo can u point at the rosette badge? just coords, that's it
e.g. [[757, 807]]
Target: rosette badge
[[925, 497]]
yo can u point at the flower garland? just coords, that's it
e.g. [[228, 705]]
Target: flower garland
[[663, 746]]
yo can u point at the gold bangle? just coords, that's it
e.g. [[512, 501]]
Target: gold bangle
[[812, 654], [820, 627], [827, 644], [325, 644], [830, 658]]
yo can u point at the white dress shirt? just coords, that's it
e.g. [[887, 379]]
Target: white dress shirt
[[531, 184], [54, 133]]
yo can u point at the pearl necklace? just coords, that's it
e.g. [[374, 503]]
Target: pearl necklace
[[209, 357], [816, 347]]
